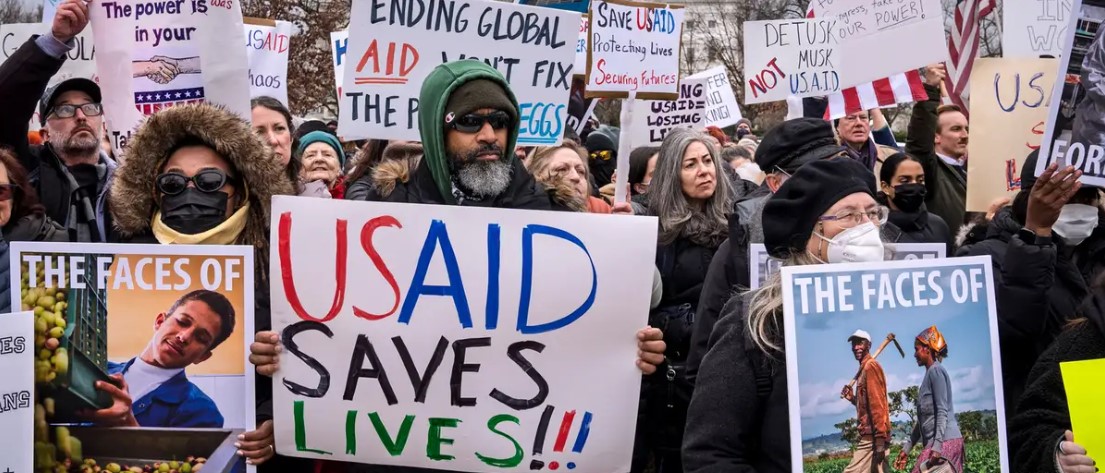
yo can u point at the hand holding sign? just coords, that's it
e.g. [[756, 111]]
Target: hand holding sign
[[1072, 458], [70, 20], [264, 352]]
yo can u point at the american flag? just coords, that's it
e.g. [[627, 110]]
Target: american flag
[[151, 102], [899, 88], [963, 48]]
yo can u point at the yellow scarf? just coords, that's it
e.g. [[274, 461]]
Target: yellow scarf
[[224, 234]]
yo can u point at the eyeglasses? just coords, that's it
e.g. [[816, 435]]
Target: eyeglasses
[[603, 155], [473, 123], [91, 109], [877, 215], [207, 180], [7, 191]]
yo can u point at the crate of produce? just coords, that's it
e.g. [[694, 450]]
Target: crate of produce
[[71, 339], [203, 450]]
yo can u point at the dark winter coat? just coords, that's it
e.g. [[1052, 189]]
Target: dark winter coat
[[133, 203], [34, 227], [922, 227], [946, 186], [738, 421], [1042, 415], [1038, 289], [23, 79]]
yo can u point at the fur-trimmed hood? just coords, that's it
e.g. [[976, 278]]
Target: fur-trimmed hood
[[133, 193]]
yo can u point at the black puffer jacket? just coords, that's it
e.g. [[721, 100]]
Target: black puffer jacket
[[1042, 414], [738, 421], [1038, 289], [922, 227]]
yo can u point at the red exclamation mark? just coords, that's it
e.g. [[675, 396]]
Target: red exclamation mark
[[565, 427]]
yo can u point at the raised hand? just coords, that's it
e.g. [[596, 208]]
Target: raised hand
[[1053, 189], [70, 20], [935, 74]]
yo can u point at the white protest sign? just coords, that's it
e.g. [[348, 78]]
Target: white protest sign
[[790, 57], [154, 55], [339, 45], [533, 47], [721, 105], [267, 48], [941, 305], [763, 265], [580, 66], [655, 118], [634, 47], [49, 9], [1034, 29], [79, 62], [876, 32], [461, 346], [17, 355]]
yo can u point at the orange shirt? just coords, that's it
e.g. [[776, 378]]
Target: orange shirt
[[872, 407]]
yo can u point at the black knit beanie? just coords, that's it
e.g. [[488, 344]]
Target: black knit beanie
[[791, 214], [476, 94]]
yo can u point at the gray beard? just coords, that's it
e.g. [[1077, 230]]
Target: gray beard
[[484, 178], [70, 145]]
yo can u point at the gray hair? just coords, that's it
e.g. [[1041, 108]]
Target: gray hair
[[707, 226], [765, 310]]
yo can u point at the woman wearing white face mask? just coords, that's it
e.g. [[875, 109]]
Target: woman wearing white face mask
[[825, 212], [1046, 249]]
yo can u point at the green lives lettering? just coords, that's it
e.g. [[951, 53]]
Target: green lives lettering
[[513, 461], [435, 440]]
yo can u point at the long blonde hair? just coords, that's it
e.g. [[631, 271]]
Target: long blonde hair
[[764, 321]]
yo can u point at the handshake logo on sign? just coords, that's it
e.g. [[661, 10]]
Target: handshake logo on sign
[[163, 69]]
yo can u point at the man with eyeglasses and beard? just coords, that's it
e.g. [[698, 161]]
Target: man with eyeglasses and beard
[[70, 172]]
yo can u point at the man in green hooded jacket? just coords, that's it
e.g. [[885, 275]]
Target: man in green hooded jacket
[[468, 120]]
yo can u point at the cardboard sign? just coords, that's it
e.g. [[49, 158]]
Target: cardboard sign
[[1075, 132], [155, 55], [79, 62], [461, 346], [1035, 29], [634, 47], [893, 301], [339, 48], [790, 57], [655, 118], [267, 48], [533, 47], [876, 32], [1009, 105], [580, 108], [1082, 383], [764, 266], [179, 315], [721, 105], [580, 66], [17, 355]]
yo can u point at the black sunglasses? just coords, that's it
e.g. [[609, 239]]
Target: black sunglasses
[[472, 123], [207, 180]]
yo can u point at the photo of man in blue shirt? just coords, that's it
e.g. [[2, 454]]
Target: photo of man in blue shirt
[[151, 389]]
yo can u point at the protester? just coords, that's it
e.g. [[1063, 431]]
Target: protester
[[1040, 280], [383, 165], [935, 428], [196, 174], [938, 137], [468, 122], [738, 418], [563, 171], [1040, 433], [872, 409], [902, 183], [690, 195], [642, 164], [70, 172], [784, 150], [750, 144], [749, 175], [718, 137], [272, 121], [602, 148], [864, 132], [744, 130], [22, 218], [322, 159]]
